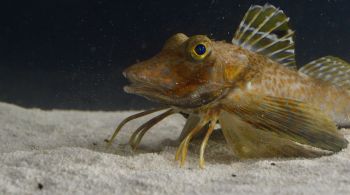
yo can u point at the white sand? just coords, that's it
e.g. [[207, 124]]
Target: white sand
[[65, 152]]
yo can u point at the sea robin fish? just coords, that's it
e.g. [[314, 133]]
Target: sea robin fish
[[250, 87]]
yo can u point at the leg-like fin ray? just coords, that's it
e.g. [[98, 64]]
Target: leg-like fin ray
[[130, 118], [140, 132], [181, 152], [191, 123], [205, 141]]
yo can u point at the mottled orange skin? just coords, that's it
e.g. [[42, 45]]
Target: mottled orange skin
[[270, 78], [172, 77]]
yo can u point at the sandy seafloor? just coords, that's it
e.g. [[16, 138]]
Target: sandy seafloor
[[63, 152]]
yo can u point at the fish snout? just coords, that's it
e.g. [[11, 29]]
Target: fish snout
[[136, 74]]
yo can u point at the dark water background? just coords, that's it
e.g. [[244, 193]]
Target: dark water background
[[69, 54]]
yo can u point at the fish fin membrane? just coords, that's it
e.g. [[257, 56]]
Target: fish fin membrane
[[265, 30], [330, 69], [289, 119], [247, 141], [191, 122]]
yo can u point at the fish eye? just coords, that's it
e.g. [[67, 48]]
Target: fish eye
[[200, 49]]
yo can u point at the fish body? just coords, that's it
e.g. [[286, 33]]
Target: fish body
[[272, 79], [251, 87]]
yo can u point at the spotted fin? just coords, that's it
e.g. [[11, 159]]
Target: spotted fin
[[330, 69], [247, 141], [289, 119], [265, 30]]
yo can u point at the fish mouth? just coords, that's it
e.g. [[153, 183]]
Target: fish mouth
[[139, 89], [163, 95], [143, 88], [149, 92], [158, 95]]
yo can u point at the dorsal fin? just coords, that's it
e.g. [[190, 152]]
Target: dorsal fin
[[330, 69], [265, 30]]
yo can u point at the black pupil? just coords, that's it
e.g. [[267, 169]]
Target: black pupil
[[200, 49]]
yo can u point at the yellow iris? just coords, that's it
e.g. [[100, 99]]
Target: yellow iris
[[199, 47]]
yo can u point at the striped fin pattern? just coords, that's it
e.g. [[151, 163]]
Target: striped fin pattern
[[289, 119], [330, 69], [248, 141], [265, 30]]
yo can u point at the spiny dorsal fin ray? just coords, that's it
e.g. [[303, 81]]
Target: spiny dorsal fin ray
[[330, 69], [265, 30], [289, 119]]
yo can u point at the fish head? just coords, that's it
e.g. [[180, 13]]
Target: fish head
[[188, 72]]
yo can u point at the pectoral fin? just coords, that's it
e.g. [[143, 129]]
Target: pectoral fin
[[247, 141], [289, 119]]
